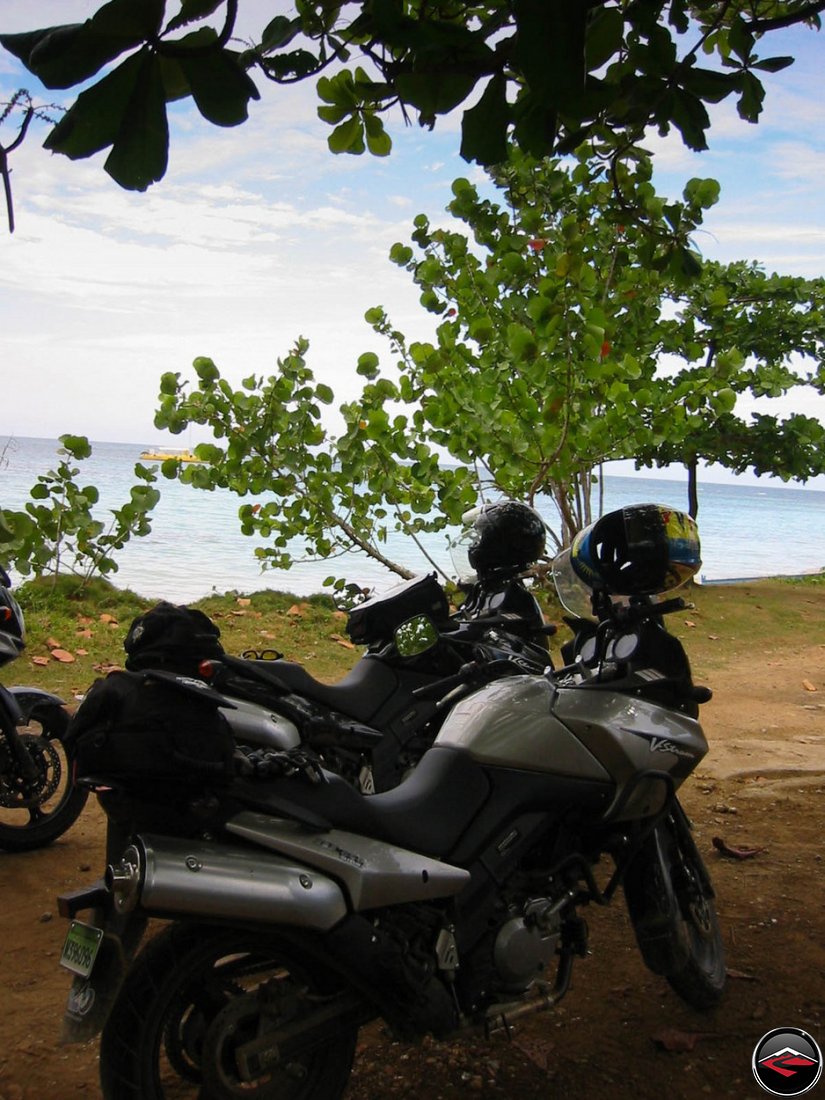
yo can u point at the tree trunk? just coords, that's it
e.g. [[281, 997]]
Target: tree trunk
[[693, 492]]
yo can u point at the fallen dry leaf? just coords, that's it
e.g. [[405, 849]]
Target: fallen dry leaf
[[741, 975], [63, 656], [735, 853], [40, 661], [82, 652], [296, 611], [53, 643], [689, 623], [85, 633], [109, 619], [808, 685], [106, 667], [714, 637], [243, 601]]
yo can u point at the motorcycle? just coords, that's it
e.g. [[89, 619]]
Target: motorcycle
[[37, 800], [298, 909], [374, 725]]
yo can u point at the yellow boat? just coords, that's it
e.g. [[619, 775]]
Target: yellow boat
[[163, 456]]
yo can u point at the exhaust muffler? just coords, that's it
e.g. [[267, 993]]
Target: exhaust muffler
[[167, 875]]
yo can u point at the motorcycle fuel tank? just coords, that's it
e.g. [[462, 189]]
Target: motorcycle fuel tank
[[510, 724], [644, 749]]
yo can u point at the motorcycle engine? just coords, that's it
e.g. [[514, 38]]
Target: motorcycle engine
[[525, 947]]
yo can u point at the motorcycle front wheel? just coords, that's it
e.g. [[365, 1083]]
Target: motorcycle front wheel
[[672, 907], [194, 1000], [34, 812]]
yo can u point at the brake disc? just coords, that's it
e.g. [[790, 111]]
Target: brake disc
[[17, 793]]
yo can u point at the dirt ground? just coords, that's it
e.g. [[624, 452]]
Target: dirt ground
[[620, 1032]]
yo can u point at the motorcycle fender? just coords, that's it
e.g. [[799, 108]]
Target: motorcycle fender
[[373, 872], [90, 999], [654, 908], [29, 698]]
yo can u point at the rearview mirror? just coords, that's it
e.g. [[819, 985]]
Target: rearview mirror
[[415, 636]]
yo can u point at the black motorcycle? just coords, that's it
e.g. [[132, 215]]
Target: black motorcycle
[[374, 725], [37, 799]]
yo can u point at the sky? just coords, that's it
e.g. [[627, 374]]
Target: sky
[[258, 235]]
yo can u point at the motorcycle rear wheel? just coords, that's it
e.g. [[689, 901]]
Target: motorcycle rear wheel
[[194, 996], [33, 814]]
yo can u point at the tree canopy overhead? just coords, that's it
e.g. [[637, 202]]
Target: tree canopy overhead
[[548, 74]]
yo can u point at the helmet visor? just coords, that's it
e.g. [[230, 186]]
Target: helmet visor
[[574, 595]]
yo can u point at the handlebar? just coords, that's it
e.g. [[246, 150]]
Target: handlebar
[[472, 672]]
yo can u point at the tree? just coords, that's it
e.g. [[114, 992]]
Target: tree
[[57, 531], [550, 74], [756, 335], [315, 497], [545, 363]]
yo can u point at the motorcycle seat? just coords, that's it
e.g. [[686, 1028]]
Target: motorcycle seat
[[427, 813], [360, 694]]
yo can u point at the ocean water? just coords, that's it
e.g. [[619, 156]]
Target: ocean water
[[196, 546]]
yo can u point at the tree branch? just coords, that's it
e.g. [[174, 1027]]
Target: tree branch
[[809, 11]]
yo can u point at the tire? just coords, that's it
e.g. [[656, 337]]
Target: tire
[[672, 908], [193, 995], [700, 977], [33, 816]]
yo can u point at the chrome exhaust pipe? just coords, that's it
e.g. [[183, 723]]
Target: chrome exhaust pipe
[[167, 875]]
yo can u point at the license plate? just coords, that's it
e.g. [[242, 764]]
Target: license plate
[[80, 948]]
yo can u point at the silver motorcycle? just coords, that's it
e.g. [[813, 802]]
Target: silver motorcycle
[[296, 909]]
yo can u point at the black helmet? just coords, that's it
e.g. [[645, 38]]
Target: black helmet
[[12, 626], [642, 549], [507, 535]]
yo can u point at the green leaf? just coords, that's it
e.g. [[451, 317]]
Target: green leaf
[[484, 127], [324, 393], [740, 38], [605, 35], [688, 114], [140, 151], [95, 119], [332, 115], [401, 254], [280, 32], [206, 370], [751, 98], [368, 364], [379, 142], [67, 55], [773, 64], [435, 93], [702, 192], [78, 446], [220, 87], [348, 137], [191, 11]]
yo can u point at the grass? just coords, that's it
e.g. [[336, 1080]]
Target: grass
[[87, 631]]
